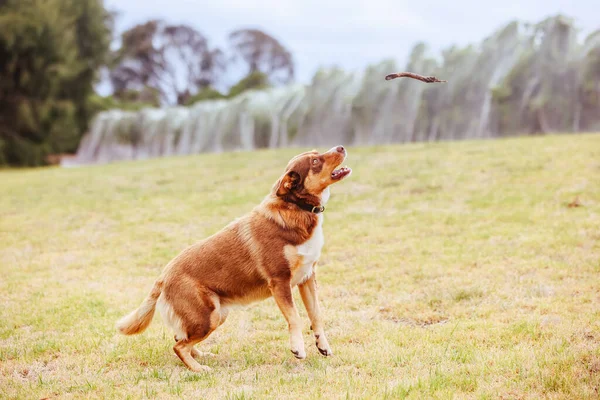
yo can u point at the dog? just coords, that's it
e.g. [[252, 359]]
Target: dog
[[264, 253]]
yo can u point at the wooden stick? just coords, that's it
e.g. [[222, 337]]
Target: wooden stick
[[426, 79]]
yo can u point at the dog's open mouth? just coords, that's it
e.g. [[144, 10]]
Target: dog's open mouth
[[340, 173]]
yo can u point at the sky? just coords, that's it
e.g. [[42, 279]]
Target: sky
[[353, 33]]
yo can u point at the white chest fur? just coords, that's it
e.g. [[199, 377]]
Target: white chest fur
[[310, 252], [311, 249]]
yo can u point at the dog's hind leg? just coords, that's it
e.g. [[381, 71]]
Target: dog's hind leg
[[201, 318], [197, 353], [184, 350]]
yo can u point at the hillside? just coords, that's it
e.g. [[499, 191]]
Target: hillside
[[448, 269]]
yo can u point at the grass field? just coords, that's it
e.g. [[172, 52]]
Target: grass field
[[450, 270]]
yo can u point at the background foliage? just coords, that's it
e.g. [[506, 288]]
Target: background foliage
[[52, 53], [523, 79]]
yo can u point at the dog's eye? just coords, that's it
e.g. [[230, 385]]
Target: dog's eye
[[315, 161]]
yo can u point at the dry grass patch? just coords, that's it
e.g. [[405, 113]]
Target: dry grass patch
[[450, 270]]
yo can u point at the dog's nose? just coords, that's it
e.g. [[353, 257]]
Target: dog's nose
[[340, 149]]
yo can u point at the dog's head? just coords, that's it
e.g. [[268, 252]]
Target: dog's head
[[307, 175]]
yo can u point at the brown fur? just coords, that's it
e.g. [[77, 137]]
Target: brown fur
[[252, 258]]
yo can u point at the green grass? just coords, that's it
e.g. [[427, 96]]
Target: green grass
[[450, 270]]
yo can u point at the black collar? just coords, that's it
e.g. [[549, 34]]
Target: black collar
[[310, 207]]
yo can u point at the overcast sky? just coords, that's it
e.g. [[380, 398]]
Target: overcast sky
[[353, 33]]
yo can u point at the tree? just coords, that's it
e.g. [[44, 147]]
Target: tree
[[175, 60], [263, 53], [253, 81], [50, 51], [93, 27]]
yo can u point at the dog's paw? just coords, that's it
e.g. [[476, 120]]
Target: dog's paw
[[323, 345], [299, 354], [199, 354], [326, 352], [297, 346], [200, 368]]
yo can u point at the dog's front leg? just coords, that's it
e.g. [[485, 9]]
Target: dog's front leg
[[282, 292], [308, 291]]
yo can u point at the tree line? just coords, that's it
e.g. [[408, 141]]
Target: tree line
[[53, 52]]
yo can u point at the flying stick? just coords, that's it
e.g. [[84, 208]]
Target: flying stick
[[426, 79]]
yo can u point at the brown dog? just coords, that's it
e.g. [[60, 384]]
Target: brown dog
[[264, 253]]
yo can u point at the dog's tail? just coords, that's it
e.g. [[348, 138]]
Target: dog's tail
[[138, 320]]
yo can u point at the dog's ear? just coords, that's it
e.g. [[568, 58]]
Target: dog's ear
[[288, 183]]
